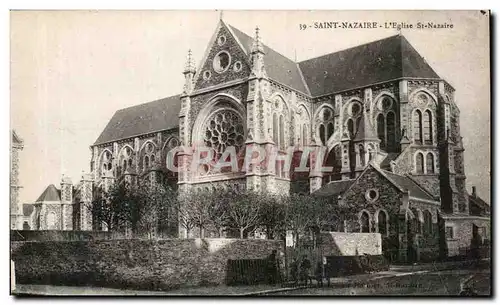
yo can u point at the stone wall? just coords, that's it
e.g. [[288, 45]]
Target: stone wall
[[134, 264], [462, 231], [351, 244]]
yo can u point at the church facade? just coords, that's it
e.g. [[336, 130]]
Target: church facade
[[389, 125]]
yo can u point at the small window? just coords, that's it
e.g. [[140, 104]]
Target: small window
[[237, 66], [206, 75], [371, 195], [449, 233], [221, 40]]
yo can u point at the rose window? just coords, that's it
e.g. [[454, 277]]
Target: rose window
[[224, 129]]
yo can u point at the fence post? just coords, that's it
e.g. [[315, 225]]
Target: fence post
[[12, 276]]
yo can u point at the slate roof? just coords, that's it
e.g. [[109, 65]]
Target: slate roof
[[154, 116], [278, 67], [370, 63], [386, 163], [28, 209], [480, 203], [362, 65], [51, 193], [334, 188], [408, 184]]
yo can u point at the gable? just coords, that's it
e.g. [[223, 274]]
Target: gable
[[224, 60]]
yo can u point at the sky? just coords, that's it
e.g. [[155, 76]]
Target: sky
[[71, 70]]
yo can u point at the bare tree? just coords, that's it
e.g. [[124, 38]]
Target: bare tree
[[244, 213], [272, 215]]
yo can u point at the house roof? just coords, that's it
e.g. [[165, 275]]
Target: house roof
[[145, 118], [334, 188], [51, 193], [28, 209], [407, 184], [278, 67], [480, 203], [386, 163], [366, 64]]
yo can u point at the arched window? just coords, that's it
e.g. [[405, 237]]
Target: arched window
[[329, 131], [322, 133], [362, 155], [124, 165], [428, 127], [430, 163], [51, 221], [419, 163], [391, 132], [358, 120], [282, 133], [275, 129], [152, 159], [304, 135], [382, 223], [428, 222], [381, 129], [350, 127], [146, 162], [365, 222], [417, 127]]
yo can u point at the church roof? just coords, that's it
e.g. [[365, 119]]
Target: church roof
[[334, 188], [370, 63], [278, 67], [407, 184], [366, 64], [145, 118], [51, 193]]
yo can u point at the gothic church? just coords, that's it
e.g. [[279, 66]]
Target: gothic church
[[389, 122]]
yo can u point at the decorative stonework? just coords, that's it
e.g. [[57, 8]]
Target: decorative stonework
[[224, 128]]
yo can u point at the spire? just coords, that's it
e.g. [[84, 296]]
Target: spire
[[189, 68], [366, 131], [257, 43], [189, 72]]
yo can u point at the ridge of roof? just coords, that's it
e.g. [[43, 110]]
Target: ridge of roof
[[417, 192], [279, 67], [349, 48], [377, 61]]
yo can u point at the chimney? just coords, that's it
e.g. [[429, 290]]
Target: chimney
[[474, 192]]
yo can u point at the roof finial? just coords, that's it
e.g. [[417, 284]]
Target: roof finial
[[189, 63], [221, 14], [257, 44]]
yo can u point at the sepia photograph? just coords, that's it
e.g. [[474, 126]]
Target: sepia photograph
[[250, 153]]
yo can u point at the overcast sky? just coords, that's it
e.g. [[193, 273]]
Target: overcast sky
[[71, 70]]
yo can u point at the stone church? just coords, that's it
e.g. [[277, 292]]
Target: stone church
[[389, 123]]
